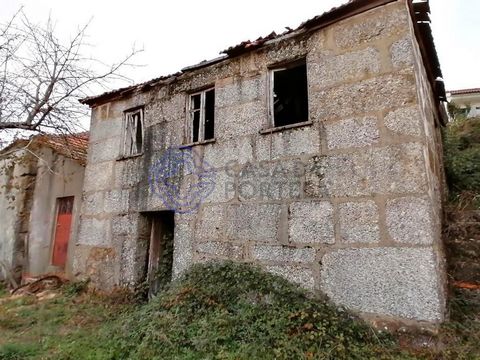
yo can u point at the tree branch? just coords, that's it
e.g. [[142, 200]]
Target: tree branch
[[41, 77]]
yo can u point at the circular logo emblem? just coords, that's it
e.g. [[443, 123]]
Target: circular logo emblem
[[181, 179]]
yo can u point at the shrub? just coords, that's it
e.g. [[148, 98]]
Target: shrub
[[462, 157], [235, 311]]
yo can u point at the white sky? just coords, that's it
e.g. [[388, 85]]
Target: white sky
[[178, 33]]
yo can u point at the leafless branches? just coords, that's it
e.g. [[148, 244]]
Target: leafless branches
[[42, 77]]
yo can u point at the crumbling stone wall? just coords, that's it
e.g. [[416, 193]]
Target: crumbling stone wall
[[348, 204], [17, 179]]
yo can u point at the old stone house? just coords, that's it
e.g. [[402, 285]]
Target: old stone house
[[315, 153], [41, 182]]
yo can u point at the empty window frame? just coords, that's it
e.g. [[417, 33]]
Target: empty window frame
[[201, 124], [289, 94], [133, 132]]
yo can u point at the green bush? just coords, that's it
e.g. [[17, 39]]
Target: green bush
[[234, 311], [462, 157]]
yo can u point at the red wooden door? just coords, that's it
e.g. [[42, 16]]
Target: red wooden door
[[62, 231]]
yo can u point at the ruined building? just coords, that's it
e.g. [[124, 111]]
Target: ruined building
[[41, 182], [315, 153]]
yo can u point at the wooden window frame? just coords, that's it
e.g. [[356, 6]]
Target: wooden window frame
[[202, 110], [127, 114], [271, 127]]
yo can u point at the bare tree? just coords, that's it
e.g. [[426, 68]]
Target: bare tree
[[42, 77]]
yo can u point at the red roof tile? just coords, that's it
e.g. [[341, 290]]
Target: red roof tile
[[464, 91], [73, 146]]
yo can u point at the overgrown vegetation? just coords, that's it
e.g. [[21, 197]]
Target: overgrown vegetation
[[234, 311], [462, 158], [217, 311], [460, 337], [222, 311], [75, 287], [3, 289], [40, 329]]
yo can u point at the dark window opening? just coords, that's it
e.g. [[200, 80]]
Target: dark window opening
[[196, 126], [202, 116], [209, 114], [133, 139], [161, 226], [290, 95], [139, 133]]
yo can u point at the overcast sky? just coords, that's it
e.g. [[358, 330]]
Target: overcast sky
[[178, 33]]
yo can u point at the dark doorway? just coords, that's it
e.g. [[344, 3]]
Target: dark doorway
[[160, 251]]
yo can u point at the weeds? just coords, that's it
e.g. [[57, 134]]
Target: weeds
[[216, 311], [18, 351], [74, 288], [235, 311], [3, 289], [461, 140]]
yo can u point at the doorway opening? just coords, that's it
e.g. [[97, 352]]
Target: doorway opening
[[161, 227]]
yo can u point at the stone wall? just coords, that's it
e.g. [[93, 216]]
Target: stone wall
[[348, 204], [17, 178]]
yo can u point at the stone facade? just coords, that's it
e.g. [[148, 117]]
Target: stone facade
[[349, 203]]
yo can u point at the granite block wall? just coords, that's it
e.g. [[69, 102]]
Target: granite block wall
[[349, 203]]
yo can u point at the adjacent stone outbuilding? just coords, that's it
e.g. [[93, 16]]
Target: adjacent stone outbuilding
[[41, 182], [315, 153]]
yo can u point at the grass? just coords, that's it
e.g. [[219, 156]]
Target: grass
[[33, 329], [222, 311], [461, 335], [3, 289], [232, 311]]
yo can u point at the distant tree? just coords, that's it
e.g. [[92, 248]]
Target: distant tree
[[456, 112], [42, 77]]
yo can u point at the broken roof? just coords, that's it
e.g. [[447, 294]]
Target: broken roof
[[73, 146], [419, 10]]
